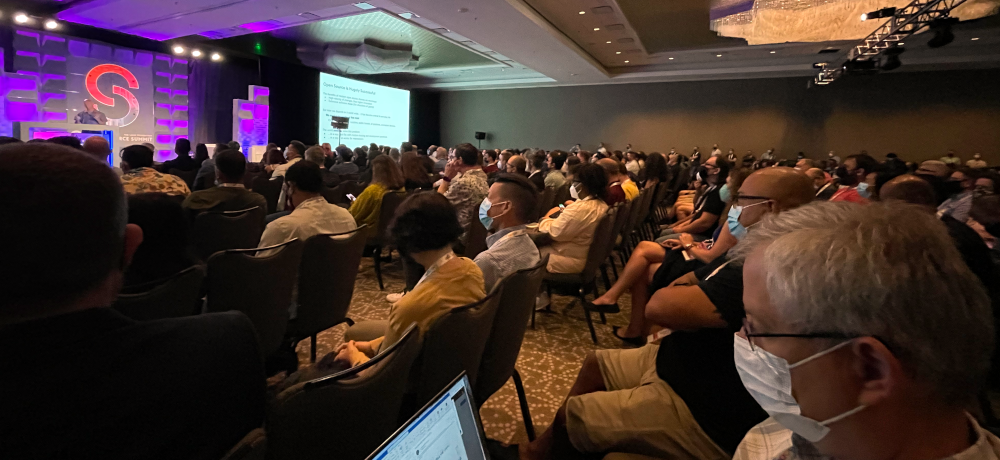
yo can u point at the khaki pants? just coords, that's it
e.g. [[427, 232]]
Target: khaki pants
[[638, 414]]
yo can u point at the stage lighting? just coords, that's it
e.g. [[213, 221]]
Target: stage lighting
[[21, 18], [216, 57], [891, 60], [178, 49], [942, 32], [883, 13], [51, 24], [196, 53]]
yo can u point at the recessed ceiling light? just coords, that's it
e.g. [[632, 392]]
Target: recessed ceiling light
[[178, 49], [609, 41], [196, 53], [596, 29], [975, 38], [20, 18], [626, 62], [718, 55], [216, 57], [671, 59], [901, 43], [365, 6], [51, 24], [583, 12], [618, 52], [772, 52]]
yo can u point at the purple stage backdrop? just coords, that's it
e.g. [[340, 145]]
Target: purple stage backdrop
[[143, 95]]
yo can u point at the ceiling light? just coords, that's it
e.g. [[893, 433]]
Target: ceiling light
[[882, 13], [671, 59], [364, 6], [772, 52], [583, 12], [51, 24], [975, 38], [609, 41], [21, 18], [596, 29], [618, 52], [901, 43], [626, 62], [216, 57], [178, 49], [196, 53], [718, 55]]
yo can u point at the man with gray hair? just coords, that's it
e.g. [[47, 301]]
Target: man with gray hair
[[317, 155], [865, 337]]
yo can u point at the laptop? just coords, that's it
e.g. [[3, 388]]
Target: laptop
[[447, 428]]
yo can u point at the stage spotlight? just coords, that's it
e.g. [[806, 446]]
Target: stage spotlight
[[216, 57], [178, 49], [942, 32], [883, 13], [21, 18], [196, 53], [51, 24], [891, 60]]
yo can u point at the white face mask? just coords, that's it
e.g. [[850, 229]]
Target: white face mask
[[768, 379], [573, 193]]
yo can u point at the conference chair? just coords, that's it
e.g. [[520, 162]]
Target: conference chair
[[657, 210], [249, 178], [253, 446], [390, 201], [173, 297], [624, 212], [517, 303], [186, 176], [475, 239], [260, 287], [327, 273], [585, 282], [562, 194], [221, 230], [546, 200], [452, 344], [270, 189], [346, 415]]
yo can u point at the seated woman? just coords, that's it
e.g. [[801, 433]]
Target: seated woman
[[425, 228], [572, 230], [386, 177], [656, 170], [415, 173]]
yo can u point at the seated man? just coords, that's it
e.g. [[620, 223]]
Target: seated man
[[345, 166], [316, 155], [230, 194], [683, 398], [140, 177], [82, 380], [99, 148], [313, 215], [865, 337], [707, 208], [507, 208], [825, 186]]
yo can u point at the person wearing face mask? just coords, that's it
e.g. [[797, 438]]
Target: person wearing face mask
[[853, 179], [506, 209], [293, 154], [959, 201], [682, 398], [572, 229], [832, 350], [707, 209], [976, 162]]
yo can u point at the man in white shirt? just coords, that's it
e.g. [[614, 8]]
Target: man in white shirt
[[976, 162], [715, 150], [293, 153], [312, 214], [951, 160]]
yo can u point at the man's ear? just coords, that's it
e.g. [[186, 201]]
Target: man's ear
[[133, 238], [876, 369]]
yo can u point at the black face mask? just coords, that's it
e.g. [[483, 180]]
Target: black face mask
[[845, 177]]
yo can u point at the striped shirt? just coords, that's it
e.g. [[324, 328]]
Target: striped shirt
[[507, 253]]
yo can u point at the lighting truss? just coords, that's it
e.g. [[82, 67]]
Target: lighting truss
[[907, 21]]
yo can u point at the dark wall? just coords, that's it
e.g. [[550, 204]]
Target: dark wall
[[425, 118], [918, 115], [211, 100], [294, 101]]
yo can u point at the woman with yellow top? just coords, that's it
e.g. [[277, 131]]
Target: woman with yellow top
[[572, 231], [386, 177], [425, 227]]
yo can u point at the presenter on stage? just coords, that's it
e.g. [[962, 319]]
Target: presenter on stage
[[90, 114]]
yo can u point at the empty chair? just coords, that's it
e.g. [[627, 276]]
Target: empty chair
[[376, 241], [260, 287], [585, 281], [346, 415], [270, 189], [454, 343], [221, 230], [517, 302], [173, 297], [327, 273]]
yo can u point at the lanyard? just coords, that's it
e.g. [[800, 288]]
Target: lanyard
[[828, 184], [435, 266]]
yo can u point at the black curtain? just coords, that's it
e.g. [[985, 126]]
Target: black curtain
[[294, 101], [212, 86], [425, 118]]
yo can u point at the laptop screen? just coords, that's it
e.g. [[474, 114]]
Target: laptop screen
[[448, 428]]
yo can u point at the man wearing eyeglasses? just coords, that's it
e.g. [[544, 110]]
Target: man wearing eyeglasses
[[681, 399], [866, 337]]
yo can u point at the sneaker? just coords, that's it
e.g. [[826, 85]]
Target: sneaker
[[394, 297]]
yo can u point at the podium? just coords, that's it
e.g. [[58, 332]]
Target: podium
[[27, 130]]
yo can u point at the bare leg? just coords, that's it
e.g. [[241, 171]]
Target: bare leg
[[637, 325], [635, 271], [554, 442]]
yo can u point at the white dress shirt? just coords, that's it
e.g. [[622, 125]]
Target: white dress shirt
[[572, 232], [311, 217]]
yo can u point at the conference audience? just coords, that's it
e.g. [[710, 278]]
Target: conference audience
[[100, 149], [82, 380], [627, 184], [707, 208], [206, 173], [852, 176], [344, 166], [72, 142], [230, 194], [635, 162], [857, 350], [440, 160], [425, 228], [615, 192], [166, 240], [536, 169], [293, 154], [414, 175], [656, 170], [959, 203], [316, 155], [490, 157], [140, 177], [386, 177], [555, 177], [825, 186], [517, 164], [464, 184], [572, 229], [507, 209], [183, 161]]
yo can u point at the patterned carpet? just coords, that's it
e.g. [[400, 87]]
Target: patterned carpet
[[549, 362]]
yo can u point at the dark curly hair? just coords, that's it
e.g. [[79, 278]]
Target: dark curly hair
[[594, 180], [423, 222]]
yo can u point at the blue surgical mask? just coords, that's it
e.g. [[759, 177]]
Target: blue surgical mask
[[863, 190], [724, 193], [733, 221], [484, 208]]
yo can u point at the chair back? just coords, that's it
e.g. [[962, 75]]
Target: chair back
[[509, 324], [349, 413], [546, 200], [390, 201], [475, 239], [270, 189], [260, 287], [253, 446], [186, 176], [219, 231], [646, 198], [250, 177], [327, 273], [174, 297], [454, 343], [623, 213], [562, 194], [600, 246]]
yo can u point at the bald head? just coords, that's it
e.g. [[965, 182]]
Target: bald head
[[787, 187], [935, 168], [97, 146], [610, 168], [911, 189], [817, 175]]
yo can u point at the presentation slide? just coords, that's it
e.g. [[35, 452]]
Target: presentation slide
[[376, 113]]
